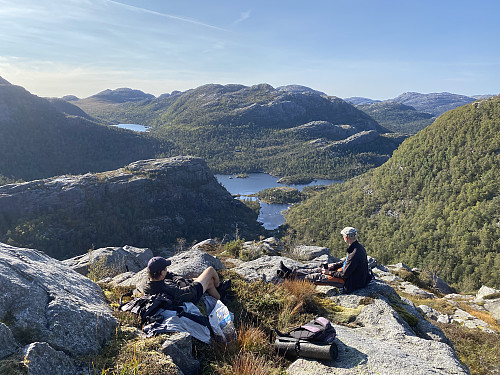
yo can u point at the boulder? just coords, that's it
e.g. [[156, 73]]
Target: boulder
[[254, 249], [179, 347], [42, 359], [193, 262], [204, 244], [380, 320], [384, 343], [440, 285], [485, 291], [45, 300], [414, 290], [423, 328], [305, 253], [361, 352], [116, 259], [490, 300], [7, 343], [398, 267], [429, 312], [264, 268]]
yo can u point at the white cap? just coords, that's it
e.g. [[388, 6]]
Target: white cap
[[349, 232]]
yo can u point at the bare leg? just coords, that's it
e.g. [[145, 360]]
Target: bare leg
[[209, 279]]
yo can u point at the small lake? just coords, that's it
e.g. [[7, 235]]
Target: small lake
[[270, 214], [134, 127]]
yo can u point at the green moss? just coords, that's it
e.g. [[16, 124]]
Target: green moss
[[492, 296], [411, 319]]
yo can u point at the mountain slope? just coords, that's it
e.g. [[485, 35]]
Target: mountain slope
[[36, 140], [397, 117], [434, 103], [148, 203], [238, 128], [435, 204]]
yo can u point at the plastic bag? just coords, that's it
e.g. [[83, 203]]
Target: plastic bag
[[222, 324]]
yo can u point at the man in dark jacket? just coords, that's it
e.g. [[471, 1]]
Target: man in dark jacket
[[354, 269], [349, 274], [178, 289]]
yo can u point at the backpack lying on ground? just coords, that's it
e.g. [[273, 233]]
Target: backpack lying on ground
[[319, 330], [147, 306], [312, 340]]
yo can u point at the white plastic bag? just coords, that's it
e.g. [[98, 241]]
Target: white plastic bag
[[222, 324]]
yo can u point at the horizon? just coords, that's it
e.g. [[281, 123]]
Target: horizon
[[361, 48]]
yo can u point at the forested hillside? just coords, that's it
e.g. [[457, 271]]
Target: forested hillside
[[238, 128], [397, 117], [37, 140], [435, 204]]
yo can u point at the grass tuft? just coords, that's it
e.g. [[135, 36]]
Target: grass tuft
[[246, 364]]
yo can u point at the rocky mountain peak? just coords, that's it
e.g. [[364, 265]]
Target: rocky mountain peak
[[122, 95]]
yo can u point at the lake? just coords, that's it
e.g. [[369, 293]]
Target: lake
[[270, 214], [134, 127]]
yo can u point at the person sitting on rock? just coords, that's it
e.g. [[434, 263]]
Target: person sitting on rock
[[349, 274], [181, 290]]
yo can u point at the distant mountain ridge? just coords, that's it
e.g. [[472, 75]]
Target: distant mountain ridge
[[398, 117], [123, 95], [433, 103], [238, 128]]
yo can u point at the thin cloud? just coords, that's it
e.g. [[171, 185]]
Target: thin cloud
[[243, 17], [184, 19]]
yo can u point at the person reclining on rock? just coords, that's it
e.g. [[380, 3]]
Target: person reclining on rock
[[181, 290], [349, 274]]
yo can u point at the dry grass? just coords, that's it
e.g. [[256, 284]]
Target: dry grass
[[253, 339], [485, 316], [439, 304], [247, 364], [302, 290], [479, 350]]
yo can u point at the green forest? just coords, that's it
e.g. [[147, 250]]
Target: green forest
[[435, 204], [238, 129], [398, 117]]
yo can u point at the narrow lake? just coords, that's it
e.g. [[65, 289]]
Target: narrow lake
[[134, 127], [270, 215]]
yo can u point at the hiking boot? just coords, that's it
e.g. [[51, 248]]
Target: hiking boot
[[281, 274], [285, 271], [224, 286]]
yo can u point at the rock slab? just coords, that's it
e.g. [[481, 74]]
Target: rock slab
[[43, 300]]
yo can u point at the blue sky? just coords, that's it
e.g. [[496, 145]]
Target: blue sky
[[369, 48]]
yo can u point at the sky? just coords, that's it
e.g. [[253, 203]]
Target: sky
[[377, 49]]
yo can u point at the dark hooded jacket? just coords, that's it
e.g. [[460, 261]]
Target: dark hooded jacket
[[355, 271]]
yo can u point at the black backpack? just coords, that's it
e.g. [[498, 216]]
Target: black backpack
[[147, 306], [319, 330]]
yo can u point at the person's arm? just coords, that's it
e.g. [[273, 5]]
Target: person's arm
[[335, 266], [177, 294], [350, 266]]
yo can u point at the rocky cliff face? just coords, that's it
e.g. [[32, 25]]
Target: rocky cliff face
[[149, 203]]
